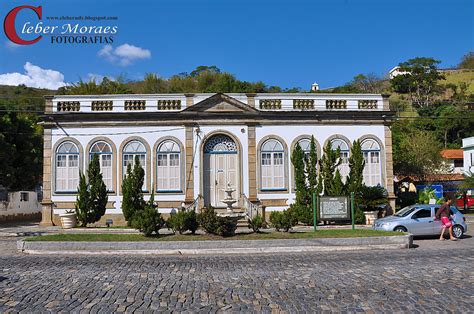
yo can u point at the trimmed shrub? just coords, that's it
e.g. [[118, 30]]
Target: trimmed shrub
[[148, 221], [226, 226], [303, 213], [208, 220], [256, 223], [283, 220], [359, 216], [183, 221], [190, 222]]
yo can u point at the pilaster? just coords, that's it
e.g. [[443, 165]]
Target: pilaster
[[252, 163], [389, 166], [189, 149], [47, 204]]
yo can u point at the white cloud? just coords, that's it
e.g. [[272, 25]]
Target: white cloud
[[124, 54], [34, 76]]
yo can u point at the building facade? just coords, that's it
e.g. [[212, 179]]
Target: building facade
[[192, 146], [468, 152]]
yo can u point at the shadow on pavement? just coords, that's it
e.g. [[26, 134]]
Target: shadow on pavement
[[16, 224]]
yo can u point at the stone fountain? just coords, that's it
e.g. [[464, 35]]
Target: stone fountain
[[229, 201]]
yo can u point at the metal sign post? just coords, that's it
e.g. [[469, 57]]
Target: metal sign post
[[315, 210], [352, 210]]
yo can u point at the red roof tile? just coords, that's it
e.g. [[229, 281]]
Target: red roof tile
[[452, 153]]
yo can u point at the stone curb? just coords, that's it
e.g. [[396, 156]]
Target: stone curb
[[217, 247]]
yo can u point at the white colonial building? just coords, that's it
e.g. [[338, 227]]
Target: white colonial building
[[192, 145]]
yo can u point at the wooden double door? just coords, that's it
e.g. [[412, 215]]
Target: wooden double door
[[220, 169]]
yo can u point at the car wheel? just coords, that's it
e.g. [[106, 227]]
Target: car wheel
[[458, 231], [400, 229]]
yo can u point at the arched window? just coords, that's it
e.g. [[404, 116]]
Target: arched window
[[130, 151], [344, 148], [305, 145], [168, 164], [104, 152], [372, 168], [67, 167], [272, 165]]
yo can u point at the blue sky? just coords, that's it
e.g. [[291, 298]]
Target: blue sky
[[284, 43]]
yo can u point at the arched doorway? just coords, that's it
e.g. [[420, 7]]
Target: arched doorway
[[221, 167]]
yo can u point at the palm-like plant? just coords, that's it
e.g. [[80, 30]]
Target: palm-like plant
[[372, 196], [468, 181]]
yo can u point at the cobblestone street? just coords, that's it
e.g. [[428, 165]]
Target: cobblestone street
[[423, 279]]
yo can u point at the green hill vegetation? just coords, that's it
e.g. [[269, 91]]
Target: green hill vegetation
[[433, 110]]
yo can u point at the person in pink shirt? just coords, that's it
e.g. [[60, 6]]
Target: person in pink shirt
[[444, 213]]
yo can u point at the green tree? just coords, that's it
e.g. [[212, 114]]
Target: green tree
[[132, 191], [20, 149], [147, 219], [98, 191], [356, 168], [302, 205], [83, 201], [468, 181], [298, 160], [369, 83], [371, 197], [415, 152], [312, 168], [328, 164], [467, 61], [152, 84], [337, 188], [420, 81], [92, 196], [107, 86]]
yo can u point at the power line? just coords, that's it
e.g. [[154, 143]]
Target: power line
[[99, 134]]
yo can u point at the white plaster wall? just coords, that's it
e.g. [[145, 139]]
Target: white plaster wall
[[236, 131], [153, 134], [118, 135], [468, 147], [321, 133], [15, 206]]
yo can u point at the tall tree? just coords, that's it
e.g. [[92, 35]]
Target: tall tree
[[467, 61], [20, 150], [132, 191], [297, 158], [82, 201], [92, 196], [302, 205], [312, 167], [369, 83], [356, 168], [328, 164], [420, 80], [337, 187], [98, 191], [415, 152]]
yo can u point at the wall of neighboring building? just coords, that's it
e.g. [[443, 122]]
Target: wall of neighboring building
[[21, 205], [468, 148]]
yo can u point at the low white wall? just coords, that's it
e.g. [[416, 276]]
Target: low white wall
[[16, 205]]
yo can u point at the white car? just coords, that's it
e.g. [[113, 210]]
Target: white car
[[419, 219]]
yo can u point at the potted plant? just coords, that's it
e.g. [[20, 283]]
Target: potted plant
[[68, 219], [372, 198]]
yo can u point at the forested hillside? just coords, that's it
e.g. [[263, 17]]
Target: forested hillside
[[434, 110]]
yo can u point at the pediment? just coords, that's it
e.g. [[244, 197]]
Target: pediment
[[221, 103]]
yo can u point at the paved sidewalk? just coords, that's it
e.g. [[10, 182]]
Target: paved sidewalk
[[394, 281], [25, 229]]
